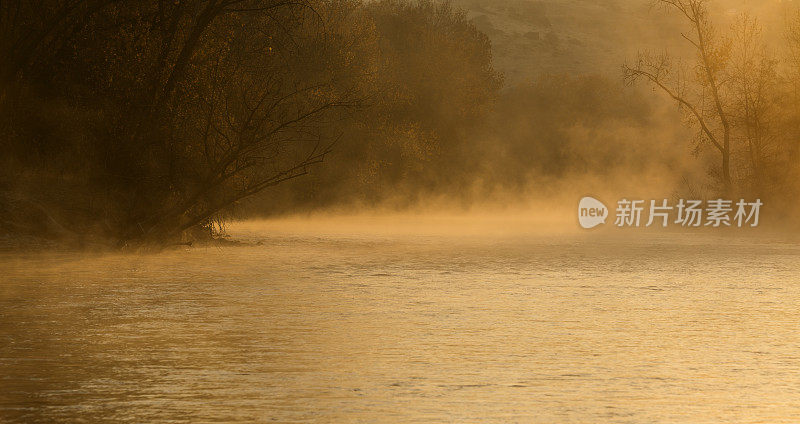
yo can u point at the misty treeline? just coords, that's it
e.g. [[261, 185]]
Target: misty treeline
[[737, 91], [142, 121], [741, 96], [154, 121]]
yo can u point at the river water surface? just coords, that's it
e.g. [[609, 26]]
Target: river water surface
[[314, 326]]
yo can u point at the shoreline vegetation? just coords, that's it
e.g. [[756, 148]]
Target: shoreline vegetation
[[150, 125], [390, 227]]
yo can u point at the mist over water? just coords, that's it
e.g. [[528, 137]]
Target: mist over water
[[403, 319], [174, 248]]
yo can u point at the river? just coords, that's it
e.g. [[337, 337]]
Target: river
[[307, 325]]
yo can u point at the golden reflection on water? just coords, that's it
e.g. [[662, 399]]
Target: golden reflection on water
[[388, 327]]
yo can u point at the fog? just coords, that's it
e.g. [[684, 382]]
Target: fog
[[368, 211], [389, 106], [564, 123]]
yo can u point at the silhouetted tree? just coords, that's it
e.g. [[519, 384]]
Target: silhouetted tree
[[702, 95], [159, 115]]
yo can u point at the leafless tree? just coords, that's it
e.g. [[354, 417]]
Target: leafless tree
[[703, 96], [754, 80]]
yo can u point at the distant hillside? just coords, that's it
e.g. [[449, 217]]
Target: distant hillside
[[530, 37]]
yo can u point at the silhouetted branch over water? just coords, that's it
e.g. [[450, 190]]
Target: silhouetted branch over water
[[146, 122], [138, 122]]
